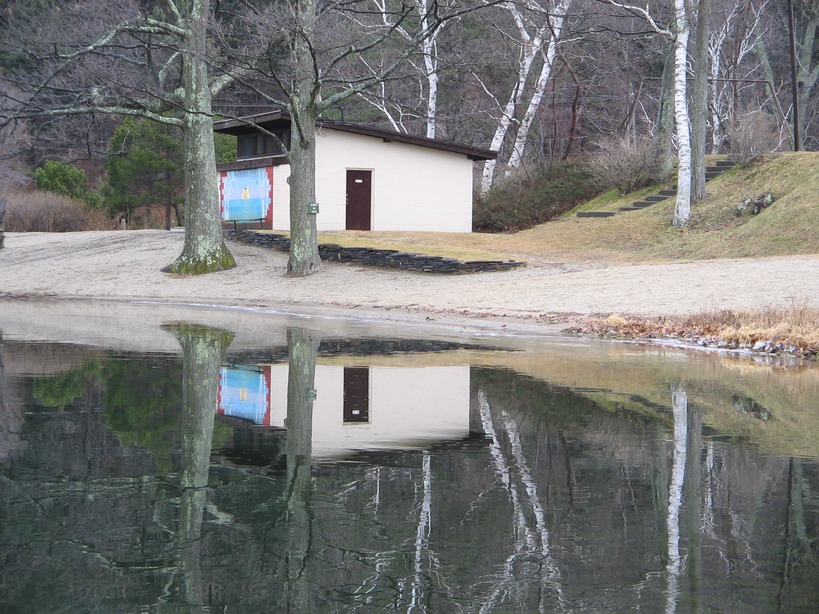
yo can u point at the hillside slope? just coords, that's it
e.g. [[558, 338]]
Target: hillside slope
[[789, 227]]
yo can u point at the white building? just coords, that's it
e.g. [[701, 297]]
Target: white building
[[366, 179]]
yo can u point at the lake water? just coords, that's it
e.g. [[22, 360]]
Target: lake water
[[197, 460]]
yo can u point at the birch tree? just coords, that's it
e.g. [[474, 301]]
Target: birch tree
[[420, 104], [538, 30], [682, 204], [136, 61], [680, 35]]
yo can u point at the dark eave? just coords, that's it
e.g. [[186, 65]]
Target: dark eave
[[246, 125], [248, 163]]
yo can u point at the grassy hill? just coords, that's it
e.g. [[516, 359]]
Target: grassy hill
[[789, 226]]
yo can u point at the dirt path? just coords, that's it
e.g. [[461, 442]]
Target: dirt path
[[126, 265]]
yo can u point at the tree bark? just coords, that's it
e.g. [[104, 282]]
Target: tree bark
[[700, 103], [663, 158], [682, 206], [204, 249], [2, 221], [304, 257]]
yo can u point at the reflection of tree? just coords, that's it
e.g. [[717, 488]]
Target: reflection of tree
[[142, 403], [203, 349], [679, 402], [507, 466], [61, 390], [302, 346]]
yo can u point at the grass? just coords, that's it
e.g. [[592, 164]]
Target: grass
[[789, 226], [793, 329]]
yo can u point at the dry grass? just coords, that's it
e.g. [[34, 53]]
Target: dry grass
[[49, 212], [789, 226], [792, 329]]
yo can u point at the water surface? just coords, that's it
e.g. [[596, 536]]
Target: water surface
[[199, 462]]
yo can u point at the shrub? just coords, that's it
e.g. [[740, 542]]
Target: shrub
[[62, 178], [47, 212], [624, 164], [521, 202], [755, 133]]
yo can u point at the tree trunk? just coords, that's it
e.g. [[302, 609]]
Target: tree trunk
[[529, 52], [516, 159], [682, 207], [204, 250], [700, 103], [2, 221], [663, 159], [304, 257]]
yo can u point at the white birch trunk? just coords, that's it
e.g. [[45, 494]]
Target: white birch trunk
[[429, 48], [682, 206], [516, 158], [431, 63], [530, 47]]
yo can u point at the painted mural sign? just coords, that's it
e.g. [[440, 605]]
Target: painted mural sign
[[247, 195], [244, 392]]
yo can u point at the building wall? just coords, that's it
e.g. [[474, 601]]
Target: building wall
[[413, 188]]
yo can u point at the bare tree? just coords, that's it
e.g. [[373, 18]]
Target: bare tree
[[127, 59], [537, 30]]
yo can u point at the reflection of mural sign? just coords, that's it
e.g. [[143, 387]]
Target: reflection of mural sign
[[247, 194], [245, 393]]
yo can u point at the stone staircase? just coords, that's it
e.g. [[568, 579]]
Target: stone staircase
[[711, 172]]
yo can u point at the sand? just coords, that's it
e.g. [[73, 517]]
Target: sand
[[125, 266]]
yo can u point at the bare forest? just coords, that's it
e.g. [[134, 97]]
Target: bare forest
[[643, 90]]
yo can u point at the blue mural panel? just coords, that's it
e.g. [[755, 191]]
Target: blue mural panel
[[246, 194]]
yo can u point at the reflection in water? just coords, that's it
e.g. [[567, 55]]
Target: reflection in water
[[455, 487], [203, 349]]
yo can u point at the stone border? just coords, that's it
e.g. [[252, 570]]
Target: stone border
[[390, 258]]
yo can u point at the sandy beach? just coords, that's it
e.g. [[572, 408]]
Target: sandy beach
[[125, 266]]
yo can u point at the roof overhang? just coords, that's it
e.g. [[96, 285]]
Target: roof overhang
[[279, 118]]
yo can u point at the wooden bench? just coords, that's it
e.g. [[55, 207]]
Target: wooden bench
[[261, 221]]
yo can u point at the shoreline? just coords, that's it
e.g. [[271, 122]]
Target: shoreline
[[538, 300]]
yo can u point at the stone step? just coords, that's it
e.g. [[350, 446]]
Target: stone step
[[726, 163], [596, 213], [710, 176], [655, 198], [630, 208], [668, 192], [642, 204]]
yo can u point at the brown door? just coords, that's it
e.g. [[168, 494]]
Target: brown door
[[359, 199]]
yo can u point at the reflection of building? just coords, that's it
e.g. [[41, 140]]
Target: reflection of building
[[244, 392], [359, 407]]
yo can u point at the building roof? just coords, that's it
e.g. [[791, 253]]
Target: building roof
[[248, 124]]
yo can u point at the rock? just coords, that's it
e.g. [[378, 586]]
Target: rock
[[754, 205]]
